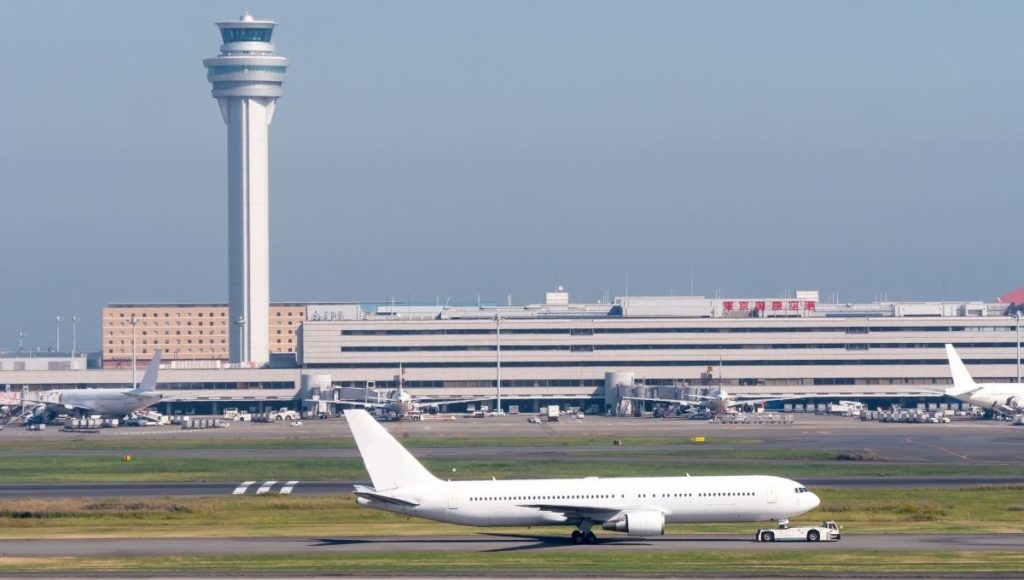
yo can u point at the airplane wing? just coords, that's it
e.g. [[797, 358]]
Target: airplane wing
[[735, 403], [54, 404], [657, 400], [578, 512]]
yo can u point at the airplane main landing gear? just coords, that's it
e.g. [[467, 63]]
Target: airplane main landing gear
[[584, 535]]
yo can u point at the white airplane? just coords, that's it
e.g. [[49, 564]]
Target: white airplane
[[638, 506], [400, 404], [1005, 398], [718, 401], [115, 403]]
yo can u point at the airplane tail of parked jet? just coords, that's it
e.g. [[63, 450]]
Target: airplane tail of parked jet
[[148, 383], [962, 381], [389, 464]]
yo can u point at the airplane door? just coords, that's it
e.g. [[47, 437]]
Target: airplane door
[[453, 500], [773, 495]]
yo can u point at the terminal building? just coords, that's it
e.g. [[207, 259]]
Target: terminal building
[[557, 350], [196, 334]]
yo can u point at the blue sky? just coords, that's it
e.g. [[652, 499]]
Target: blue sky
[[430, 150]]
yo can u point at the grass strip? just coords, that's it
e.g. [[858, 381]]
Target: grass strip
[[99, 468], [569, 562], [966, 510]]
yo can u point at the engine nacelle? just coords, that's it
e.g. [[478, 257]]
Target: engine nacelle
[[1015, 403], [646, 523]]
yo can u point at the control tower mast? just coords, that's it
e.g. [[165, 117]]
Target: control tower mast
[[247, 79]]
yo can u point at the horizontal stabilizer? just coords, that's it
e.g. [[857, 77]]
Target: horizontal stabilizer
[[367, 493]]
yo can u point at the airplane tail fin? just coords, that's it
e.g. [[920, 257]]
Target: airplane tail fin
[[962, 381], [389, 464], [148, 383]]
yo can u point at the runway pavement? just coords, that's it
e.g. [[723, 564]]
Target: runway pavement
[[496, 542]]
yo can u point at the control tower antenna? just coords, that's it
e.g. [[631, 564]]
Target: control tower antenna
[[247, 79]]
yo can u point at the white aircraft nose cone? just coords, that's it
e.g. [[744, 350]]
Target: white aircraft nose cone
[[815, 500]]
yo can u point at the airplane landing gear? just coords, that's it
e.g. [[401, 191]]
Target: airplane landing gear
[[584, 535]]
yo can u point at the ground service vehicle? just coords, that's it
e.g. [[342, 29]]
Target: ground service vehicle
[[827, 532], [282, 414]]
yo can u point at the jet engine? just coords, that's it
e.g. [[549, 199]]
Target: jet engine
[[646, 523]]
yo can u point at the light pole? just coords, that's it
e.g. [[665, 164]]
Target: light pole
[[57, 318], [74, 334], [1016, 316], [497, 334], [133, 321], [241, 339]]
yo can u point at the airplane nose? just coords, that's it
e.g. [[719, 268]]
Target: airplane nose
[[815, 500]]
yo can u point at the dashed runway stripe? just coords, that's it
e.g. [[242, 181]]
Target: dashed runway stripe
[[241, 489], [288, 487], [265, 487]]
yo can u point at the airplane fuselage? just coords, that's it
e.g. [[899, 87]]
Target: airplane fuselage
[[999, 397], [679, 499], [107, 402]]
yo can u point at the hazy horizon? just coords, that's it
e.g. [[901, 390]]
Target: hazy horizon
[[449, 150]]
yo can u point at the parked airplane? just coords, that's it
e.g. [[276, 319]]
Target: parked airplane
[[400, 404], [717, 401], [638, 506], [114, 403], [1005, 398]]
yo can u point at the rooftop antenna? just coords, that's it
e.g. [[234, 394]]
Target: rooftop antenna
[[691, 281]]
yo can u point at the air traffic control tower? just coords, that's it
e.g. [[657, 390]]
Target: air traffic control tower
[[247, 79]]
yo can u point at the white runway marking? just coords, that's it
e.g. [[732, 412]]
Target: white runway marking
[[265, 487], [288, 487], [241, 489]]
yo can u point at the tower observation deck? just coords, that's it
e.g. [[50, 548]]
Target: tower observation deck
[[247, 79]]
